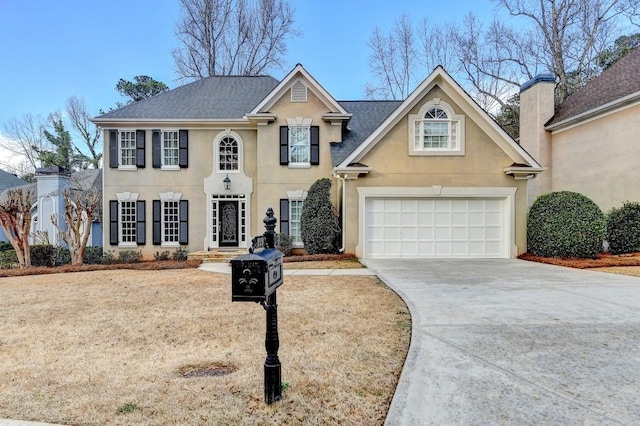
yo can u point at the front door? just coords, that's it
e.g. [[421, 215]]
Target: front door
[[228, 220]]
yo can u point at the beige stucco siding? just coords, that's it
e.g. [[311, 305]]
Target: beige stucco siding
[[599, 158], [391, 165], [272, 180], [149, 182]]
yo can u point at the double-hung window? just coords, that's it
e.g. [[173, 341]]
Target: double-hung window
[[299, 143], [128, 223], [170, 220], [436, 130], [295, 214], [170, 148], [127, 147]]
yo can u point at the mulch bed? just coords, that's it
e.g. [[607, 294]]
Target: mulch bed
[[602, 260], [152, 265]]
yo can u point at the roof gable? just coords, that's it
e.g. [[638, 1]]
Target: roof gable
[[298, 73], [211, 98], [439, 77], [613, 86]]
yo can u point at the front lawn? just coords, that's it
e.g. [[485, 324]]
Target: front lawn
[[131, 347]]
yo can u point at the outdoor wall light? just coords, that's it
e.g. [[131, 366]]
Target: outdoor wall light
[[227, 183]]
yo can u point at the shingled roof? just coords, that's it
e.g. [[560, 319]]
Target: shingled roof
[[366, 117], [219, 97], [620, 80], [7, 180]]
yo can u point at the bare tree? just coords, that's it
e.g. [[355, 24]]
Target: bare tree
[[78, 215], [232, 37], [566, 36], [25, 137], [492, 60], [392, 61], [89, 133], [15, 219]]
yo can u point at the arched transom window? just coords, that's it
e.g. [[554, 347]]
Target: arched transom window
[[228, 154]]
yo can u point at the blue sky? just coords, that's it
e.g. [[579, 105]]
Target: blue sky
[[51, 50]]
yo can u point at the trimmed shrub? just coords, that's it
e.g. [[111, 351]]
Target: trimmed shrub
[[320, 229], [92, 255], [8, 259], [129, 256], [284, 243], [181, 254], [43, 255], [5, 245], [565, 224], [623, 228], [163, 255]]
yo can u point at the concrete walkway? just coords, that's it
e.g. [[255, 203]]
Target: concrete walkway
[[510, 342], [225, 268]]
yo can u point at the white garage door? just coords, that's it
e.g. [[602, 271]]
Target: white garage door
[[435, 227]]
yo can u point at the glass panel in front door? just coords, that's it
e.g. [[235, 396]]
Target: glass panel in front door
[[228, 223]]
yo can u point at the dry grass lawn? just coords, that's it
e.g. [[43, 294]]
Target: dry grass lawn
[[110, 347]]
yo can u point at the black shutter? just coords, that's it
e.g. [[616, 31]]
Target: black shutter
[[183, 141], [157, 233], [315, 145], [284, 145], [156, 150], [113, 222], [284, 216], [141, 237], [140, 149], [184, 222], [113, 149]]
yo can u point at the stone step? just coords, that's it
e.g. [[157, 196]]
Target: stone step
[[219, 255]]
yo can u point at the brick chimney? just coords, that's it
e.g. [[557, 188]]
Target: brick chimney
[[536, 108]]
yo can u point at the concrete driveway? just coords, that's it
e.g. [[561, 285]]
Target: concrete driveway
[[510, 342]]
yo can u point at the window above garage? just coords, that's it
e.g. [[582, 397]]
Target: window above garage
[[436, 130]]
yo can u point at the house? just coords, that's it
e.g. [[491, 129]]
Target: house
[[430, 176], [8, 181], [51, 182], [590, 142]]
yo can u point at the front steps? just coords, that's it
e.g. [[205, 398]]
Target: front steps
[[217, 255]]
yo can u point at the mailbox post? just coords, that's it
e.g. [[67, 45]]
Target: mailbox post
[[254, 278]]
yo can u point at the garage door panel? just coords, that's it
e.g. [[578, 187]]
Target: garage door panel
[[435, 227]]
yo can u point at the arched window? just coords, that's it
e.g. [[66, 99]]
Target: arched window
[[228, 154], [437, 130]]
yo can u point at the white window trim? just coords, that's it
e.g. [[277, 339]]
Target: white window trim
[[128, 166], [216, 149], [164, 197], [299, 195], [455, 119], [121, 197], [162, 158], [300, 122]]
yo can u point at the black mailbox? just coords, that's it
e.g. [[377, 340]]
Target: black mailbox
[[254, 276]]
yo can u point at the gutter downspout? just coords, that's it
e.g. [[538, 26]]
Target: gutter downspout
[[344, 212]]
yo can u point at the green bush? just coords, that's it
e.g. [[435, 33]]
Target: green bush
[[164, 255], [8, 259], [181, 254], [5, 245], [320, 229], [129, 256], [565, 224], [108, 258], [93, 255], [43, 255], [623, 228], [284, 243]]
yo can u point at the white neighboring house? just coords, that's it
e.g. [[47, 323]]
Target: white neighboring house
[[51, 184]]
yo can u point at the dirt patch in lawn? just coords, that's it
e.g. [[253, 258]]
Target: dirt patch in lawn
[[625, 264], [113, 347]]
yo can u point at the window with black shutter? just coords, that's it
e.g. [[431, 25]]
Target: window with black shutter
[[140, 149], [140, 223], [284, 145], [184, 149], [184, 222], [284, 216], [157, 222], [113, 222], [315, 145], [156, 149]]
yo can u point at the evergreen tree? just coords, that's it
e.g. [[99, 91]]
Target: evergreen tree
[[320, 229]]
